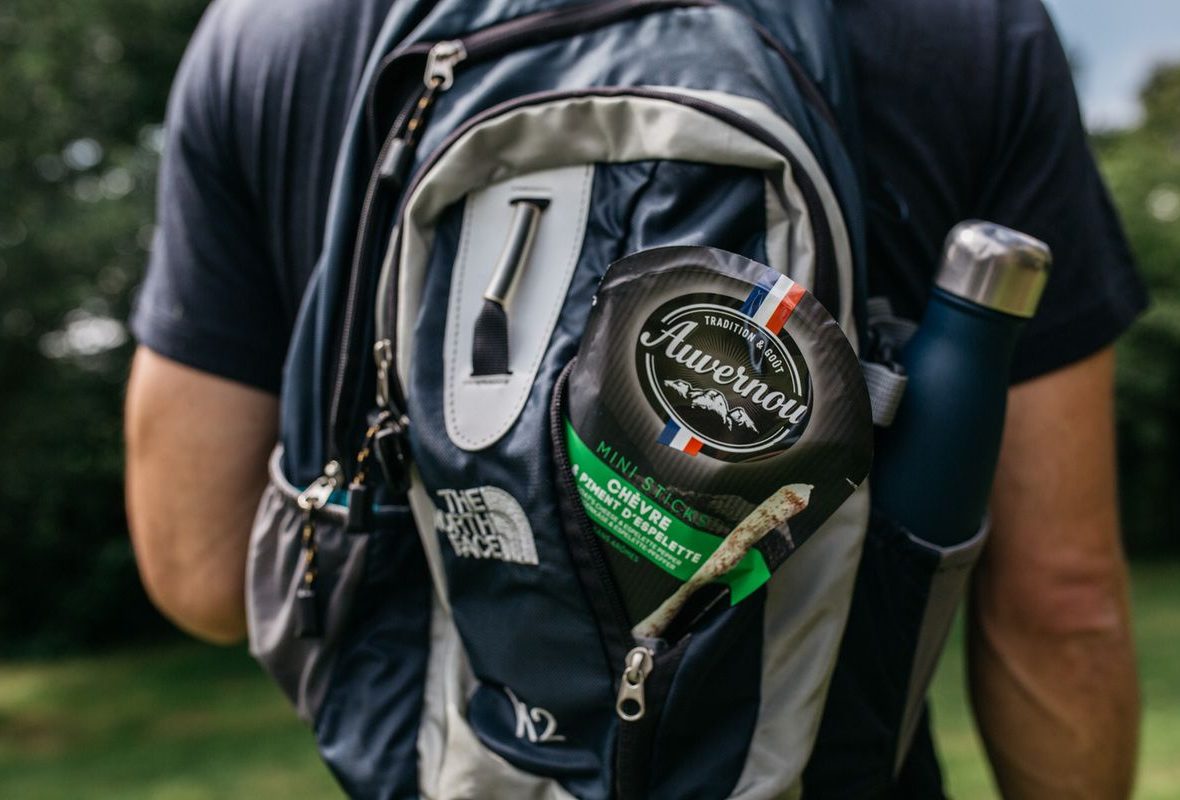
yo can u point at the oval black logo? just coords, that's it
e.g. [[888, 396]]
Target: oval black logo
[[724, 384]]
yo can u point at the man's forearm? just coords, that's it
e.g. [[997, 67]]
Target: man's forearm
[[1057, 704], [1052, 660]]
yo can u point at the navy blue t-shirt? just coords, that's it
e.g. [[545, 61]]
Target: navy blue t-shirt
[[967, 110]]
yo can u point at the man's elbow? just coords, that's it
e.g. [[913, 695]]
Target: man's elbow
[[1069, 596], [203, 601]]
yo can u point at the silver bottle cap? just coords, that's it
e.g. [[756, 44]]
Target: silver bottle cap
[[995, 267]]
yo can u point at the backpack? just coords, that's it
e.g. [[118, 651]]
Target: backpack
[[416, 581]]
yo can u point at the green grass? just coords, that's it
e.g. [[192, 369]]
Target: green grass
[[187, 722], [183, 723]]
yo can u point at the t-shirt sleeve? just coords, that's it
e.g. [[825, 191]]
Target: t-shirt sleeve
[[1041, 178], [210, 298]]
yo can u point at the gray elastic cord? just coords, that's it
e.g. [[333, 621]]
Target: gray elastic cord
[[886, 387]]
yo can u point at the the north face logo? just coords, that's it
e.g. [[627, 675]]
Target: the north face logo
[[485, 522]]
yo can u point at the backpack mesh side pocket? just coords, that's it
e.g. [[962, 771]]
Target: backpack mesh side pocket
[[275, 570]]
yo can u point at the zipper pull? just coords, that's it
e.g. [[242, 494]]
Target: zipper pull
[[398, 153], [360, 506], [440, 64], [311, 500], [395, 162], [360, 500], [315, 496], [390, 444], [630, 703]]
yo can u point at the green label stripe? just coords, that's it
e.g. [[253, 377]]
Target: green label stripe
[[616, 506]]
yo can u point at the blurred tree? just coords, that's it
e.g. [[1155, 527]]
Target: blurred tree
[[1142, 167], [84, 84]]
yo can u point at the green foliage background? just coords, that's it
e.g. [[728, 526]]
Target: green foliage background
[[84, 85], [1142, 168]]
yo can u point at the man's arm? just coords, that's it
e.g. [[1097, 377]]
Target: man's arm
[[1052, 662], [197, 447]]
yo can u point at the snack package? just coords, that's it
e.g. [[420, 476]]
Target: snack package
[[705, 384]]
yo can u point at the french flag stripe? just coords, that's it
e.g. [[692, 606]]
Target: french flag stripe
[[679, 438], [773, 299], [781, 314], [759, 292]]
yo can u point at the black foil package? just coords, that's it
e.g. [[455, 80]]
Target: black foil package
[[704, 383]]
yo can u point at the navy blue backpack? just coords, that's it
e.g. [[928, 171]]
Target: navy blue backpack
[[417, 581]]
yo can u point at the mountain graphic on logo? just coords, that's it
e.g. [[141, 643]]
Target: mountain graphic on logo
[[714, 401]]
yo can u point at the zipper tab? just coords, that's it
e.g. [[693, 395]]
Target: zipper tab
[[389, 443], [315, 496], [395, 162], [392, 446], [360, 496], [630, 703], [308, 624], [440, 64]]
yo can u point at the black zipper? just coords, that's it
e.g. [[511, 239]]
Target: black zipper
[[395, 154], [551, 24], [478, 45], [535, 28], [352, 300], [587, 551]]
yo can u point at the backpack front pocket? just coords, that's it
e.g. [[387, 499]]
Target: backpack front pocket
[[707, 389]]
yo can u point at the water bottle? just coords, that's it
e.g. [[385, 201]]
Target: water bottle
[[934, 466]]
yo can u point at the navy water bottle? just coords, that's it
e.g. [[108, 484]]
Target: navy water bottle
[[934, 465]]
